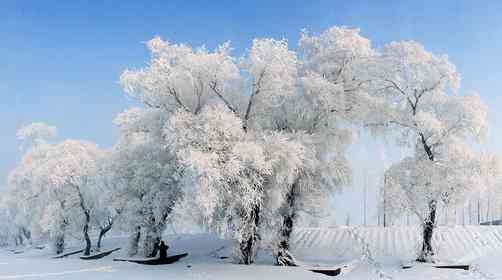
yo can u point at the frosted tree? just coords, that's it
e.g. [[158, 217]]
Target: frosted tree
[[229, 170], [415, 94], [488, 189], [53, 185], [67, 176], [329, 95], [182, 80], [23, 193], [145, 187], [104, 214], [283, 110], [145, 167], [15, 228], [325, 93]]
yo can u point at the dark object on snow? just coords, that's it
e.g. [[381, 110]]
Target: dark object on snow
[[158, 261], [447, 266], [68, 254], [406, 266], [328, 271], [460, 266], [99, 256], [163, 250], [492, 223]]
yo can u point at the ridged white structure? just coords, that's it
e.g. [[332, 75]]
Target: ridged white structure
[[452, 244]]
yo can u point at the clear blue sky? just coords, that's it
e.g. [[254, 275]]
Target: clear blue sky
[[60, 60]]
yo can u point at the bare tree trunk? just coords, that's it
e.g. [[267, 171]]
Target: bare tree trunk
[[428, 228], [479, 211], [134, 241], [102, 233], [283, 255], [427, 252], [488, 218], [248, 247], [150, 242], [384, 202], [470, 213], [22, 236], [26, 233], [463, 215], [59, 243], [153, 235], [87, 250]]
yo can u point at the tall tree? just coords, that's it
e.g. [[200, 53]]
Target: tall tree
[[274, 97], [416, 95], [67, 176]]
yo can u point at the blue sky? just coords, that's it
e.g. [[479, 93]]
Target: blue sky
[[60, 60]]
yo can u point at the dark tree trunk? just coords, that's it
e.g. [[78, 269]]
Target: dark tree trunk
[[154, 232], [102, 233], [248, 247], [150, 243], [20, 239], [59, 243], [155, 249], [134, 241], [283, 255], [427, 252], [23, 235], [87, 250], [87, 214], [26, 233], [153, 235]]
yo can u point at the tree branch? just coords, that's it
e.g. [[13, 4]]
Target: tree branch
[[173, 92], [213, 86]]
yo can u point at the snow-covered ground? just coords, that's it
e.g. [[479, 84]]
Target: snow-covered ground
[[451, 243], [478, 246]]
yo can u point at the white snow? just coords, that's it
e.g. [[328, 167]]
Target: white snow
[[452, 243], [479, 246]]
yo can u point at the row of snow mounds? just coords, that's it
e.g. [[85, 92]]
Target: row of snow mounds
[[451, 243]]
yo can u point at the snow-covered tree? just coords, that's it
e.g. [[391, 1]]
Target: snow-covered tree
[[261, 102], [405, 90], [145, 185], [15, 228], [145, 174], [53, 185], [67, 178], [23, 194], [415, 95], [104, 213]]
